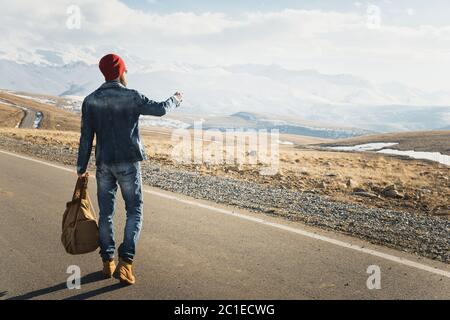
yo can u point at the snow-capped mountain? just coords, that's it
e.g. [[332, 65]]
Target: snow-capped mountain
[[265, 89], [71, 79]]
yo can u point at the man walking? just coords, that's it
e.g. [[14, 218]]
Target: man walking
[[111, 113]]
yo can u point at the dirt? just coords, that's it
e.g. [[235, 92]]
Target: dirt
[[10, 116]]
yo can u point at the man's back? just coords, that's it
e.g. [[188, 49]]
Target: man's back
[[111, 113]]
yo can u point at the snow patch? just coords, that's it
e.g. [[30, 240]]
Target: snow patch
[[148, 121], [379, 147], [72, 103], [289, 143], [40, 100], [365, 147], [37, 120], [420, 155]]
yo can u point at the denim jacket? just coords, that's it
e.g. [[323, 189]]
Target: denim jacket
[[111, 113]]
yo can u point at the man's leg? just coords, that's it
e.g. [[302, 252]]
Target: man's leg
[[130, 181], [106, 194]]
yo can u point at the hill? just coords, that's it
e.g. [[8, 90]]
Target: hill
[[430, 141]]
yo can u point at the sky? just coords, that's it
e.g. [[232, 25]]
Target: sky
[[405, 12], [383, 41]]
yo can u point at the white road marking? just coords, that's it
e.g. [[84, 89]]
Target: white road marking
[[38, 161], [299, 231]]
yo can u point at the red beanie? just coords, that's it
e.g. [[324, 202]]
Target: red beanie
[[112, 66]]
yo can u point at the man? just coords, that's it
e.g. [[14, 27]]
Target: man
[[111, 113]]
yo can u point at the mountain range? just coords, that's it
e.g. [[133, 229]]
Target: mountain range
[[342, 100]]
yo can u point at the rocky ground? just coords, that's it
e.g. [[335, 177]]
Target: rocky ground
[[422, 234]]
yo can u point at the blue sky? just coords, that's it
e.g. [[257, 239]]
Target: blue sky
[[397, 12]]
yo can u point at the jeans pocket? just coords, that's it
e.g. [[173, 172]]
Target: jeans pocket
[[99, 170], [127, 169], [127, 173]]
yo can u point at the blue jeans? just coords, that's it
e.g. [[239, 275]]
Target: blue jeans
[[128, 177]]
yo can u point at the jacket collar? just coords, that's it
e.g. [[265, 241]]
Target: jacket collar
[[111, 84]]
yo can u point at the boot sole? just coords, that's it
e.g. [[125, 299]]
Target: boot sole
[[123, 281]]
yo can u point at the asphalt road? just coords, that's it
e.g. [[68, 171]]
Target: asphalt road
[[192, 249], [28, 119]]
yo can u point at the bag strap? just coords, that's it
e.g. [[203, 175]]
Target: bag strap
[[80, 188], [80, 193], [77, 191], [84, 184], [85, 195]]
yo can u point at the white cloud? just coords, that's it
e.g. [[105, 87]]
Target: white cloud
[[411, 12], [331, 42]]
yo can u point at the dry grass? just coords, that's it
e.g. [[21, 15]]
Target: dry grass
[[336, 174], [43, 137], [425, 184], [10, 116]]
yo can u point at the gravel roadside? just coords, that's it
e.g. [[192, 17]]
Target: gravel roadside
[[427, 236]]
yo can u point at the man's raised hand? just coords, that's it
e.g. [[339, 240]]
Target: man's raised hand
[[178, 96]]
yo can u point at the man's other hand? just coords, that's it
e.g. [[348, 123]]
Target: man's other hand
[[83, 175]]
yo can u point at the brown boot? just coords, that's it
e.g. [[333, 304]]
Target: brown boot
[[108, 268], [124, 273]]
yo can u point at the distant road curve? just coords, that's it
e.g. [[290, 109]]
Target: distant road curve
[[28, 119], [31, 118]]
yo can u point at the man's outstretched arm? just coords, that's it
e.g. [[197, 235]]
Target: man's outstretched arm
[[86, 140], [153, 108]]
